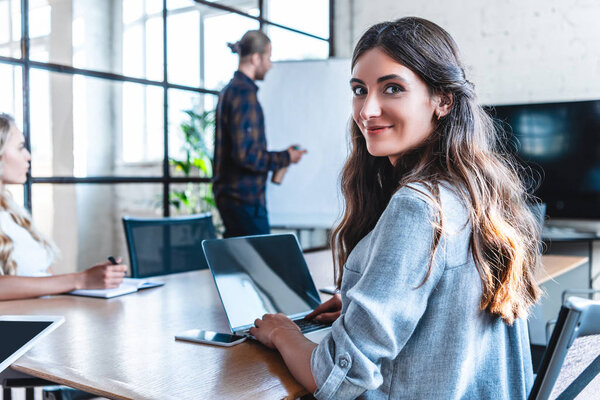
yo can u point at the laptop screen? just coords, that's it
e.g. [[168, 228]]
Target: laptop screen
[[259, 275]]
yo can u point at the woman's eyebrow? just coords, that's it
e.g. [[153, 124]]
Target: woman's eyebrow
[[381, 79], [391, 76]]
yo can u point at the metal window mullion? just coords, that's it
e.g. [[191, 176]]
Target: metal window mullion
[[261, 12], [202, 50], [26, 96], [331, 28], [144, 63], [64, 69], [166, 172], [71, 180]]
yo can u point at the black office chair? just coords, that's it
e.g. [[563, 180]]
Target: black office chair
[[571, 363], [160, 246]]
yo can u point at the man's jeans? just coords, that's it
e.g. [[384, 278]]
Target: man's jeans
[[243, 219]]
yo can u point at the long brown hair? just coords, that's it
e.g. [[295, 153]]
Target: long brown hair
[[465, 150], [21, 218]]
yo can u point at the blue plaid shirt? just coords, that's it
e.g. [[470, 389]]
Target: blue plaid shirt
[[241, 160]]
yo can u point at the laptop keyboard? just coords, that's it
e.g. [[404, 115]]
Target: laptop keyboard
[[307, 325]]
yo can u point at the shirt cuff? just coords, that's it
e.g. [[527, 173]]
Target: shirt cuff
[[330, 373], [286, 157]]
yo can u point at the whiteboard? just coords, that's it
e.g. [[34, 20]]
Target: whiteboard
[[308, 103]]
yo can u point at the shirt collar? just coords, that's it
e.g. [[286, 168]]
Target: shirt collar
[[238, 75]]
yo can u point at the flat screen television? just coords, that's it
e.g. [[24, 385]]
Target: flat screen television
[[561, 144]]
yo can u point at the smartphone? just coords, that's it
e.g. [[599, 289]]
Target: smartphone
[[210, 337]]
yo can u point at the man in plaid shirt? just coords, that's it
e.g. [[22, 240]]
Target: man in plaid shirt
[[241, 159]]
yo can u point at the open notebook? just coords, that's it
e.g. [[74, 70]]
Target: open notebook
[[129, 285]]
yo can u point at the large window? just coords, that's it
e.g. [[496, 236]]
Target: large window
[[103, 89]]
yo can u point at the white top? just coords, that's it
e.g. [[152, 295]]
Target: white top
[[31, 257]]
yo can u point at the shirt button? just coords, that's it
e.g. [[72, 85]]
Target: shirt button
[[343, 362]]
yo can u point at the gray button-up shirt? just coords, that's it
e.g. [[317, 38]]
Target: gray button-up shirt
[[398, 340]]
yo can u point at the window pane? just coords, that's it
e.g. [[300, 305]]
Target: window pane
[[197, 45], [246, 6], [183, 47], [295, 46], [311, 16], [11, 100], [179, 4], [94, 213], [10, 28], [219, 61], [123, 37], [83, 126], [39, 18], [199, 141]]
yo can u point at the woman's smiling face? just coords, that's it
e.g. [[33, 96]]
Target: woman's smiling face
[[392, 105]]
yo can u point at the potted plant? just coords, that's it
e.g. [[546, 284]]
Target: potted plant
[[197, 132]]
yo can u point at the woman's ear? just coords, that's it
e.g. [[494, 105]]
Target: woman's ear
[[444, 103]]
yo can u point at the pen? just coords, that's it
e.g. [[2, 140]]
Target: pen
[[114, 262]]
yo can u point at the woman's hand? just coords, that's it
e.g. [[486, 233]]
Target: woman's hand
[[273, 327], [103, 276], [328, 311]]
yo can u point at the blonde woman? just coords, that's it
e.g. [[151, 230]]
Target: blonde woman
[[437, 247], [25, 254]]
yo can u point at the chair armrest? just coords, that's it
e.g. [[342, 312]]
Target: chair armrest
[[575, 292]]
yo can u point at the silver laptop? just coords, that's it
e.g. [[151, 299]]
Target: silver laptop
[[20, 332], [265, 274]]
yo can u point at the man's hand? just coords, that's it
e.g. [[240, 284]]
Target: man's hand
[[296, 153]]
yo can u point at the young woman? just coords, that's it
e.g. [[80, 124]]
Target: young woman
[[437, 248], [25, 255]]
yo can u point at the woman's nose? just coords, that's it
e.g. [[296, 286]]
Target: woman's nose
[[371, 107]]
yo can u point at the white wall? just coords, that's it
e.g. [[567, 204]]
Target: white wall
[[515, 51]]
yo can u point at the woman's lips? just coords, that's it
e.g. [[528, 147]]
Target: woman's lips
[[374, 130]]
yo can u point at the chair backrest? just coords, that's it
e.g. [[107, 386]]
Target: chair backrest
[[160, 246], [571, 363]]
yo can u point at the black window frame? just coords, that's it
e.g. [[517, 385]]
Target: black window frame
[[166, 179]]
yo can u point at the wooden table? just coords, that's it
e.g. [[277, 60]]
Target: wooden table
[[124, 348], [555, 266]]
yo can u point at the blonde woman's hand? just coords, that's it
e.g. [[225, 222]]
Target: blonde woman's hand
[[103, 276], [328, 311]]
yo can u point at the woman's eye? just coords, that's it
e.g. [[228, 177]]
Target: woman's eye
[[392, 89], [359, 91]]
